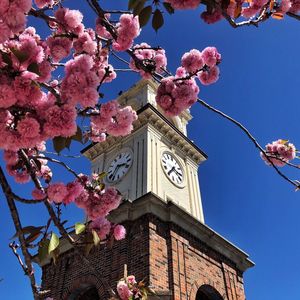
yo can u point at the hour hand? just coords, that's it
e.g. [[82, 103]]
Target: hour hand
[[172, 169]]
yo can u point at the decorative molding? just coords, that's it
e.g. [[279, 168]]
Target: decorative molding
[[171, 212], [150, 115]]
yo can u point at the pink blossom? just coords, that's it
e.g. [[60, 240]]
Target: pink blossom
[[45, 70], [45, 173], [123, 290], [80, 77], [101, 30], [60, 47], [29, 128], [69, 20], [210, 76], [128, 29], [37, 194], [279, 152], [113, 119], [10, 157], [211, 56], [74, 190], [119, 232], [60, 121], [174, 96], [100, 205], [26, 93], [212, 17], [82, 200], [154, 60], [22, 177], [57, 192], [184, 4], [102, 226], [295, 6], [5, 31], [131, 279], [254, 8], [192, 61], [85, 43], [43, 3], [7, 96]]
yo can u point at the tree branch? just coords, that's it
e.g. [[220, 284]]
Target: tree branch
[[17, 222], [251, 137]]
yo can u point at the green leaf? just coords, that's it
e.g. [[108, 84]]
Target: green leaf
[[34, 68], [96, 238], [145, 15], [59, 143], [21, 56], [54, 243], [78, 135], [138, 7], [132, 4], [79, 228], [169, 8], [157, 20], [43, 250], [55, 254]]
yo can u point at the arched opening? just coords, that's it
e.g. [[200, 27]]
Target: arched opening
[[85, 292], [207, 292]]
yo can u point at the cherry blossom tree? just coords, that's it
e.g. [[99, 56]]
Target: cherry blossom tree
[[48, 85]]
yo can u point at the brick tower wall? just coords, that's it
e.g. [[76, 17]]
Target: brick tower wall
[[171, 260]]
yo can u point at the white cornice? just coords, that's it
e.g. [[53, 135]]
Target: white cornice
[[150, 115]]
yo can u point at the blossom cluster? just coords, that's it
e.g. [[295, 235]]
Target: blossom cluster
[[88, 194], [279, 153], [105, 229], [179, 92], [113, 120], [235, 9], [154, 60], [128, 29], [31, 115], [128, 288], [13, 17], [184, 4]]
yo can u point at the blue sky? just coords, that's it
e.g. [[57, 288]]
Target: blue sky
[[244, 200]]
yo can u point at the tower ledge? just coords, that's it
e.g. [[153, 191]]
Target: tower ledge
[[171, 212]]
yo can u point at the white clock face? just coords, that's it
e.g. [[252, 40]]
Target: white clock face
[[172, 168], [119, 166]]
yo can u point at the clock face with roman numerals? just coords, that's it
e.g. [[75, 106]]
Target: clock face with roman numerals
[[172, 168], [119, 166]]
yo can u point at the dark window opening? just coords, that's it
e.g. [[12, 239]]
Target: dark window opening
[[207, 292], [85, 293]]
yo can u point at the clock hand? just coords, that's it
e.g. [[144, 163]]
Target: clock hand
[[179, 174], [172, 169], [115, 171]]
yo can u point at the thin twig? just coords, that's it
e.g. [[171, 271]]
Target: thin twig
[[297, 17], [17, 223], [250, 136], [57, 162], [26, 201]]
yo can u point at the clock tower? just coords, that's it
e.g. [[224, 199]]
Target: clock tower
[[168, 244], [157, 157]]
